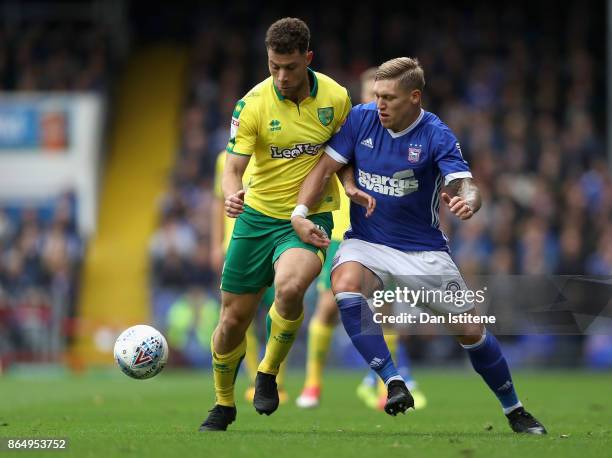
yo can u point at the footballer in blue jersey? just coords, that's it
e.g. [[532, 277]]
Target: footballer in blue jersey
[[404, 172], [393, 159]]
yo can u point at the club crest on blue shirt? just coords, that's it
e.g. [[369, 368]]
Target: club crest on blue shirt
[[414, 153]]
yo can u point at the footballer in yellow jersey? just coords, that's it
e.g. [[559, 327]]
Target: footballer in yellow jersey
[[221, 233], [281, 125], [285, 140]]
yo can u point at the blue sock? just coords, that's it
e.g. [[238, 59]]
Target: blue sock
[[367, 336], [487, 358]]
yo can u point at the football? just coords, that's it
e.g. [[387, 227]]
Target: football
[[141, 352]]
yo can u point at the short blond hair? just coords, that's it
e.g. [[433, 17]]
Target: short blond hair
[[406, 70]]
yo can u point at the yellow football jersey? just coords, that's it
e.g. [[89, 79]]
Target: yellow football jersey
[[285, 140], [341, 216]]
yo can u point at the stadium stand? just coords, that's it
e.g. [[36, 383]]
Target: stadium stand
[[41, 249], [521, 84], [530, 123]]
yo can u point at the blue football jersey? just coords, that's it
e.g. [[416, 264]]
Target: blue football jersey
[[404, 171]]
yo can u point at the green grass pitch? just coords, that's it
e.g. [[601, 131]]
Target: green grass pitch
[[108, 414]]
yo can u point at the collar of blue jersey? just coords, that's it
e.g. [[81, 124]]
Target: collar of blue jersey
[[314, 84], [409, 128]]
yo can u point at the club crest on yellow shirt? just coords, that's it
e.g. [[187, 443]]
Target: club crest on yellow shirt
[[326, 115]]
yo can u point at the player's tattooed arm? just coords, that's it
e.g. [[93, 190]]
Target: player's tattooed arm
[[310, 194], [313, 186], [347, 177], [466, 200], [467, 189]]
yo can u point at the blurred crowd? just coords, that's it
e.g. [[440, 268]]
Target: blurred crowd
[[40, 258], [522, 85], [523, 93], [49, 56], [40, 248]]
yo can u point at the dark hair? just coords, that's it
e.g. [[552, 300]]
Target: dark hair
[[288, 35], [406, 70]]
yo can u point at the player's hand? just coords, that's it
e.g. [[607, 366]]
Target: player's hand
[[234, 204], [458, 206], [309, 232], [361, 198]]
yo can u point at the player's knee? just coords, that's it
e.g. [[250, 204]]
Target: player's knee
[[232, 322], [345, 283], [289, 292], [471, 334]]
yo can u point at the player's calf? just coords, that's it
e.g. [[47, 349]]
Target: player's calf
[[236, 315], [488, 360]]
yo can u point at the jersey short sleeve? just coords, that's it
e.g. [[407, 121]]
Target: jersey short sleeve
[[449, 158], [243, 131], [341, 146]]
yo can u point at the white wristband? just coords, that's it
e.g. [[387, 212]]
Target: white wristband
[[300, 210]]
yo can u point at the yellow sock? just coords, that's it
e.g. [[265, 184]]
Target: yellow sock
[[282, 371], [391, 340], [281, 334], [252, 353], [225, 369], [319, 339]]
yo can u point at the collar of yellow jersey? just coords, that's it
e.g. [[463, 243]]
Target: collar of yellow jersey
[[314, 84]]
